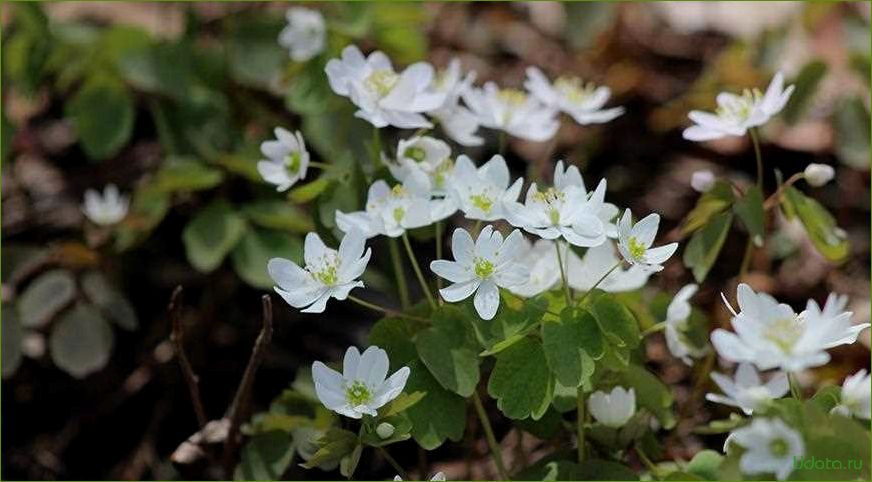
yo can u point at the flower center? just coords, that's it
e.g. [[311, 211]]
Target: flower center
[[357, 394], [328, 271], [512, 97], [573, 90], [398, 191], [483, 268], [482, 201], [779, 448], [293, 161], [399, 213], [740, 109], [784, 333], [416, 153], [381, 81], [637, 249], [441, 172]]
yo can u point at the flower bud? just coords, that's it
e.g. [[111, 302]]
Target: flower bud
[[702, 180], [817, 175], [384, 430]]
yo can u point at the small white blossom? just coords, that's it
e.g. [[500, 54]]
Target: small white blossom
[[305, 34], [856, 393], [108, 209], [483, 193], [512, 111], [390, 211], [612, 409], [539, 259], [458, 122], [383, 96], [584, 272], [287, 159], [635, 240], [816, 175], [702, 180], [385, 430], [482, 268], [361, 389], [677, 314], [583, 102], [770, 334], [438, 476], [770, 447], [426, 159], [738, 113], [328, 273], [747, 391]]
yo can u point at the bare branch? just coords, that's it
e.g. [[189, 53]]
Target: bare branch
[[177, 337]]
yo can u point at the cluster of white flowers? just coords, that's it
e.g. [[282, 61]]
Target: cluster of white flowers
[[305, 35]]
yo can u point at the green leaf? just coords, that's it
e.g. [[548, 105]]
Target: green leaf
[[703, 248], [750, 210], [806, 85], [705, 464], [12, 336], [45, 297], [651, 393], [211, 235], [266, 456], [820, 225], [162, 68], [852, 123], [596, 469], [277, 214], [616, 321], [111, 302], [254, 54], [397, 30], [712, 202], [308, 92], [828, 397], [256, 248], [521, 382], [309, 191], [586, 21], [81, 341], [102, 114], [440, 415], [448, 350], [395, 335], [147, 210], [25, 53], [186, 175], [401, 403], [332, 447], [564, 343]]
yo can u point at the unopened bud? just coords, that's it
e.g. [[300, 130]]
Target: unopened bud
[[384, 430], [817, 175], [702, 181]]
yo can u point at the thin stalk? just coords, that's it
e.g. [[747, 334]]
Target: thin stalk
[[418, 271], [376, 146], [648, 463], [566, 291], [477, 228], [579, 405], [654, 328], [382, 309], [438, 251], [402, 473], [321, 165], [756, 141], [502, 143], [602, 278], [489, 435], [402, 286], [795, 390], [746, 258]]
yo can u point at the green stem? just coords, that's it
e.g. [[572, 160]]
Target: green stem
[[382, 309], [746, 258], [602, 278], [579, 406], [795, 389], [321, 165], [489, 435], [402, 473], [756, 141], [402, 286], [648, 463], [477, 228], [418, 271], [376, 146], [566, 291], [654, 328], [438, 251]]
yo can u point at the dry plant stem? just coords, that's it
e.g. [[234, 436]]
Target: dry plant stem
[[418, 271], [775, 198], [579, 402], [566, 291], [243, 392], [178, 338], [402, 286], [400, 471], [382, 309], [489, 436]]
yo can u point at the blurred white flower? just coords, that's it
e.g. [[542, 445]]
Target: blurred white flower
[[584, 272], [583, 102], [361, 389], [383, 96], [287, 159], [747, 391], [702, 180], [426, 159], [770, 447], [570, 177], [736, 114], [482, 268], [328, 273], [108, 209], [439, 476], [612, 409], [816, 175], [512, 111], [458, 122], [305, 34], [390, 211], [635, 240], [677, 313], [539, 260], [856, 393], [483, 193], [771, 335]]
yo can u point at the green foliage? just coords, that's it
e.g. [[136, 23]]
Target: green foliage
[[109, 300], [254, 250], [266, 456], [148, 208], [750, 210], [703, 248], [276, 214], [820, 225], [440, 415], [651, 393], [102, 113], [852, 126], [186, 175], [26, 52], [566, 342], [714, 201], [81, 341], [807, 82], [254, 56], [335, 445], [211, 235], [448, 350], [521, 382], [45, 297]]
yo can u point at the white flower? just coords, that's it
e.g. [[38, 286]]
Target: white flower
[[539, 259], [584, 272], [569, 178], [567, 211], [702, 180], [383, 96], [458, 122], [361, 389], [305, 34], [287, 159], [582, 102], [390, 211], [747, 391], [482, 268], [108, 209], [483, 193], [677, 314], [736, 114], [770, 447], [816, 175], [612, 409], [439, 476], [856, 393], [771, 335], [635, 240], [512, 111], [425, 158], [328, 272]]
